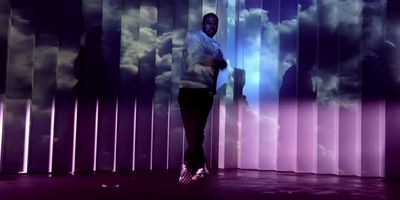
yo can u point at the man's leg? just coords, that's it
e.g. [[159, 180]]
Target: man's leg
[[187, 104], [204, 106]]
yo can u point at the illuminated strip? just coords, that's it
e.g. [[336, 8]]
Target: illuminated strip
[[134, 136], [74, 136], [221, 140], [239, 124], [51, 146], [26, 139], [382, 138], [168, 126], [211, 136], [96, 130], [358, 139], [151, 135], [115, 136], [183, 143], [1, 127]]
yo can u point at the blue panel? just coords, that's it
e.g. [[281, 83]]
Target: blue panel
[[13, 136], [18, 84], [176, 127], [109, 76], [70, 34], [163, 84], [307, 113], [391, 55], [269, 86], [90, 60], [44, 87], [128, 84], [4, 20], [327, 96], [147, 72], [288, 31]]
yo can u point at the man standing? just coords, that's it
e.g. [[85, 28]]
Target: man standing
[[202, 60]]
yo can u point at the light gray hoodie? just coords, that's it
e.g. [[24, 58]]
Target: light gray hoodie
[[198, 71]]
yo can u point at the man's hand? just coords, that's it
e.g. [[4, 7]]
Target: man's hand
[[220, 63]]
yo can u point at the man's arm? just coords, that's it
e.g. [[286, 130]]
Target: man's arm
[[219, 61]]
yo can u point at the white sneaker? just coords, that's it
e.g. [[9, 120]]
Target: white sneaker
[[185, 176], [201, 173]]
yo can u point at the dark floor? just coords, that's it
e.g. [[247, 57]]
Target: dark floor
[[221, 184]]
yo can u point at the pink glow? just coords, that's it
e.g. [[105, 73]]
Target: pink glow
[[287, 138], [249, 137], [51, 143], [74, 136], [372, 139], [1, 126], [269, 136], [96, 131], [27, 132], [307, 137]]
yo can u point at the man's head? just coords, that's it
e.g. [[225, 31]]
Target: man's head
[[210, 24]]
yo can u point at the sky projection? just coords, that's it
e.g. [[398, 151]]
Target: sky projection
[[311, 85]]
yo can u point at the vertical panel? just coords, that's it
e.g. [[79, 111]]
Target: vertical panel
[[222, 38], [176, 128], [327, 87], [214, 137], [240, 25], [349, 30], [228, 139], [163, 84], [128, 84], [1, 130], [194, 14], [147, 70], [109, 76], [209, 6], [70, 34], [14, 135], [269, 86], [391, 66], [222, 81], [44, 83], [288, 30], [373, 104], [4, 23], [307, 113], [249, 112], [90, 62], [18, 84]]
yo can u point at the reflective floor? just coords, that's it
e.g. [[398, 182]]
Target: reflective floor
[[221, 184]]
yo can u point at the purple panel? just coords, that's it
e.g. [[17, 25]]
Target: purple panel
[[327, 162], [307, 137], [373, 129], [287, 138], [248, 137], [350, 140], [268, 143], [269, 87], [307, 106]]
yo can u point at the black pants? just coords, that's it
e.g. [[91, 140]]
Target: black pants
[[195, 105]]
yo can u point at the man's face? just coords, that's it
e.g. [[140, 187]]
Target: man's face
[[210, 26]]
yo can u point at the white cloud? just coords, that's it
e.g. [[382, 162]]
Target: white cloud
[[20, 61], [325, 155], [65, 73], [308, 16], [327, 87], [164, 60], [288, 27]]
